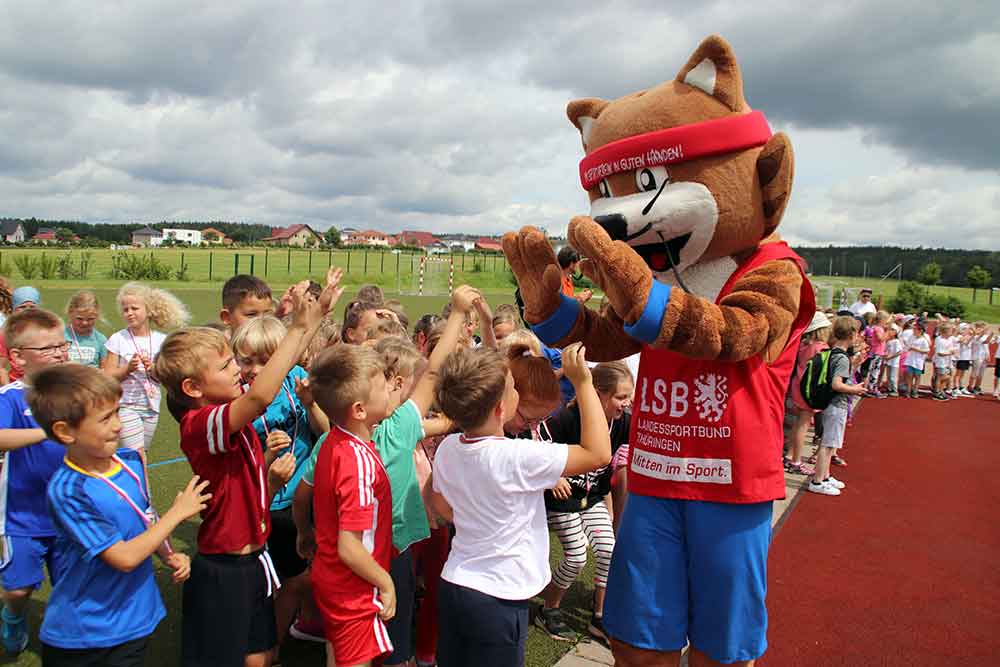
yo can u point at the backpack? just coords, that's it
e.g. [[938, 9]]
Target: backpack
[[816, 383]]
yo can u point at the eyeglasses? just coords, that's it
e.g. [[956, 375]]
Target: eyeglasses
[[529, 423], [49, 350]]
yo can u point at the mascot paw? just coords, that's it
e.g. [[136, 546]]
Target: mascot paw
[[534, 264], [614, 265]]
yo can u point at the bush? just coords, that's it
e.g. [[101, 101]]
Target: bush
[[128, 266], [912, 297], [946, 305], [27, 266], [47, 267]]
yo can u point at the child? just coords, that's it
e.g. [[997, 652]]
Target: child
[[228, 608], [22, 298], [87, 343], [835, 414], [36, 341], [876, 349], [963, 360], [244, 297], [286, 425], [814, 340], [917, 349], [353, 507], [131, 353], [893, 351], [945, 348], [492, 489], [980, 344], [105, 603]]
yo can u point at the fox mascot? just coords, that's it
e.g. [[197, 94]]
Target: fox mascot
[[687, 185]]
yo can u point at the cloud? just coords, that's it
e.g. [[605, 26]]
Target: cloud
[[450, 116]]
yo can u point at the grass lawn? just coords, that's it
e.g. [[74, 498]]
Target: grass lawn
[[169, 477], [883, 289]]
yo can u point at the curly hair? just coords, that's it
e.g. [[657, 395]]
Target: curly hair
[[164, 309]]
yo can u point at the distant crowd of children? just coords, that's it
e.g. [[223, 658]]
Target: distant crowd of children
[[339, 471], [873, 353]]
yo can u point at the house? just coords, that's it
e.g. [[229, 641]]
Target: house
[[369, 237], [12, 231], [147, 236], [213, 236], [418, 239], [189, 236], [488, 245], [296, 235], [47, 235]]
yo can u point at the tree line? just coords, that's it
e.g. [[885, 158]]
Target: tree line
[[901, 263]]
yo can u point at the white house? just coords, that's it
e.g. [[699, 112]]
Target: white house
[[190, 236]]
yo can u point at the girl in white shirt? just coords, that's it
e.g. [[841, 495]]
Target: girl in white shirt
[[917, 347], [491, 487], [980, 355]]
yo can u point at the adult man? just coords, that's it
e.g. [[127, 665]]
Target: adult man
[[864, 303], [569, 262]]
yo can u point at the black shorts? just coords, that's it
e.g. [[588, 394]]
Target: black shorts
[[228, 610], [963, 364], [996, 369], [281, 545], [129, 654], [400, 628], [479, 629]]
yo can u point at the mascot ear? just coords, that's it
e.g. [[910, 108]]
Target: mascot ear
[[775, 169], [712, 69], [583, 113]]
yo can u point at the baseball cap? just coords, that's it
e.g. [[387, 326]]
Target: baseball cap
[[25, 294]]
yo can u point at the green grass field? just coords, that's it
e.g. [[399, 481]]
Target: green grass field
[[883, 289], [167, 479]]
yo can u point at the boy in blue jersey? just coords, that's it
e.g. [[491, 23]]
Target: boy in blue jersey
[[104, 603], [35, 340]]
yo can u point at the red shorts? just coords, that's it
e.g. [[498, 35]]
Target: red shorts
[[358, 640]]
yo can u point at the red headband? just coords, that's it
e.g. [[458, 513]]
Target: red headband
[[675, 144]]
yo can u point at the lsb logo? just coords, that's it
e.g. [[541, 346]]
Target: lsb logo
[[710, 396]]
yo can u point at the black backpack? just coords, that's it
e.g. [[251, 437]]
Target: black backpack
[[816, 383]]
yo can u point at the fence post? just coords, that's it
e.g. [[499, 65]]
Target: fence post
[[397, 270], [182, 262], [252, 256], [236, 264], [348, 262], [463, 262], [366, 262], [266, 249], [289, 259], [310, 262], [329, 259], [210, 255], [381, 268]]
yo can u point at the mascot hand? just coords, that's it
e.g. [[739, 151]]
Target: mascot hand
[[614, 265], [534, 265]]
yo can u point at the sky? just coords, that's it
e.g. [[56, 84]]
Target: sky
[[449, 116]]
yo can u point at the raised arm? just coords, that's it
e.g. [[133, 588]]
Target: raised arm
[[594, 450]]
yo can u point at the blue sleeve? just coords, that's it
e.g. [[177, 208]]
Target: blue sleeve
[[554, 355], [8, 412], [79, 519], [647, 327]]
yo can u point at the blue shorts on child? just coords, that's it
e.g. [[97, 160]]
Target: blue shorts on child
[[691, 570]]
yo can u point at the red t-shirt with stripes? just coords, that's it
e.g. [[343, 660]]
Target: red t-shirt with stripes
[[351, 493], [233, 465]]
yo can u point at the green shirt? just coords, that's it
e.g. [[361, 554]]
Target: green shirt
[[395, 439]]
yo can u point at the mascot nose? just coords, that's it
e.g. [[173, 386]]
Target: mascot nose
[[614, 224]]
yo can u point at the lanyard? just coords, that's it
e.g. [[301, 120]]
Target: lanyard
[[148, 515], [260, 479], [146, 384], [76, 342], [295, 416]]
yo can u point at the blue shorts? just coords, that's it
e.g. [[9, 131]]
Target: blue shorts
[[685, 569], [22, 561], [913, 370]]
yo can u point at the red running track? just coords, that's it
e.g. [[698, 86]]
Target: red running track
[[903, 568]]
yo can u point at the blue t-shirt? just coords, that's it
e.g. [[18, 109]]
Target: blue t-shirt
[[287, 414], [93, 605], [88, 350], [26, 471], [554, 356]]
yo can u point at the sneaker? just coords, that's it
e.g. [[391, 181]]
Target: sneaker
[[822, 488], [307, 631], [940, 397], [798, 468], [914, 394], [551, 621], [15, 632], [837, 461], [968, 393], [893, 394], [834, 482], [596, 627]]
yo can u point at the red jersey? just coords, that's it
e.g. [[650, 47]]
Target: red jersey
[[351, 493], [233, 465], [712, 430]]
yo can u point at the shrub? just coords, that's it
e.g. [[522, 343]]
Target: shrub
[[27, 266], [128, 266]]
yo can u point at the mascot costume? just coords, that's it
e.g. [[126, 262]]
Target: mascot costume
[[687, 186]]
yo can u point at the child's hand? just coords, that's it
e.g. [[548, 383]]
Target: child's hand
[[464, 298], [574, 364], [331, 292], [135, 363], [387, 596], [180, 564], [484, 311], [304, 392], [562, 490], [285, 304], [192, 499], [281, 470], [276, 441], [305, 544]]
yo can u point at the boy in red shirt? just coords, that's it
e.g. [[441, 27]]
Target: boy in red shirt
[[228, 603], [352, 507]]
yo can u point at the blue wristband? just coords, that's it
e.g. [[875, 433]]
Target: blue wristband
[[647, 327], [559, 324]]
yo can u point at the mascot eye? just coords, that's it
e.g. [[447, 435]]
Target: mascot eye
[[604, 188], [647, 180]]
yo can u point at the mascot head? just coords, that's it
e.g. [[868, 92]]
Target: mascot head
[[685, 172]]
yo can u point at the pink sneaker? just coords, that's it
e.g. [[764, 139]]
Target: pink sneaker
[[309, 631]]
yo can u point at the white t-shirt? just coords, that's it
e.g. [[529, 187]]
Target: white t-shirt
[[495, 488], [917, 349], [944, 350], [137, 388], [965, 349], [860, 309], [980, 347], [893, 347]]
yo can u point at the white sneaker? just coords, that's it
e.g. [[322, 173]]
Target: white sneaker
[[834, 482], [968, 394], [823, 488]]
